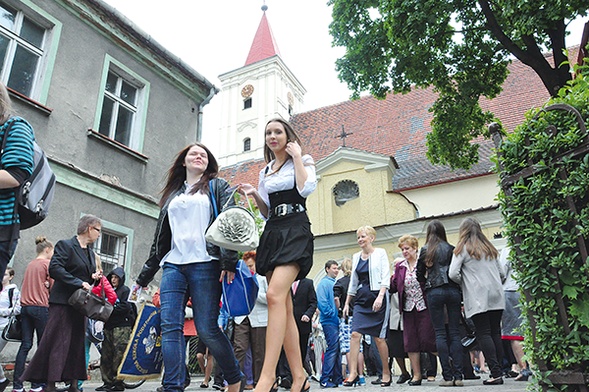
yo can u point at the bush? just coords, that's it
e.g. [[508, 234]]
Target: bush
[[546, 216]]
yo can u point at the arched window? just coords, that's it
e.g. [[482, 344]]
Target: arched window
[[247, 144], [344, 191], [247, 103]]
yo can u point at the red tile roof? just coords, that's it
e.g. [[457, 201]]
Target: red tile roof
[[246, 172], [397, 126], [264, 45]]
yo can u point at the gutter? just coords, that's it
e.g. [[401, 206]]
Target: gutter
[[212, 93]]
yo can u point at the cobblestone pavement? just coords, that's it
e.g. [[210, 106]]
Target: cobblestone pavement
[[469, 386]]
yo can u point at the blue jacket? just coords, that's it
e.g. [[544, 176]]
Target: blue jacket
[[326, 301]]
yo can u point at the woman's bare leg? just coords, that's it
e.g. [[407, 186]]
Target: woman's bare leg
[[383, 351], [415, 365], [279, 286], [361, 364], [292, 348], [354, 351], [208, 367]]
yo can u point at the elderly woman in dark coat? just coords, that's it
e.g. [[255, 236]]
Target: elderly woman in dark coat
[[60, 355]]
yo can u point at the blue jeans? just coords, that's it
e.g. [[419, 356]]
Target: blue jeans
[[332, 367], [34, 319], [447, 340], [201, 282]]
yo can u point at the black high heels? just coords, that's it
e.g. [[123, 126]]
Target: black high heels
[[275, 386], [415, 382], [307, 385], [387, 383], [351, 383]]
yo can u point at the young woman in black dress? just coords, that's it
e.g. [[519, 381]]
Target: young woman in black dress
[[285, 253]]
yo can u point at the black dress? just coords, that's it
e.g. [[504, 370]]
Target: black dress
[[365, 320], [286, 239]]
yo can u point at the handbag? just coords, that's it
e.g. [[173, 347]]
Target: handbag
[[470, 340], [234, 228], [95, 331], [239, 296], [12, 332], [91, 305]]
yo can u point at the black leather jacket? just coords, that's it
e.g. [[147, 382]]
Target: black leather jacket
[[437, 275], [162, 241]]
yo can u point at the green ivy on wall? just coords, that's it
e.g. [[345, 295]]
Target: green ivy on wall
[[545, 215]]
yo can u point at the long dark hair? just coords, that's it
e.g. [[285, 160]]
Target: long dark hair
[[177, 174], [291, 136], [435, 235], [472, 239]]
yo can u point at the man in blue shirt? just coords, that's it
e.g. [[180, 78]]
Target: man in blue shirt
[[331, 374]]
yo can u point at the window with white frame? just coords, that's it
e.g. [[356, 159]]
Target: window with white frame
[[24, 42], [112, 249], [247, 144], [122, 107]]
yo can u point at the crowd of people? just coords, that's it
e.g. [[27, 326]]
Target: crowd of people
[[421, 310], [62, 343], [369, 318]]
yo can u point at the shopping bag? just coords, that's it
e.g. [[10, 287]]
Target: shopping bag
[[239, 296], [143, 357]]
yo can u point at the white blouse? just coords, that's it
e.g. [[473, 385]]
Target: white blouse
[[189, 217], [284, 179]]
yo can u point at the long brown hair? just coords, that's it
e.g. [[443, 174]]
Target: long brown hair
[[176, 175], [291, 136], [472, 239], [6, 110], [435, 235]]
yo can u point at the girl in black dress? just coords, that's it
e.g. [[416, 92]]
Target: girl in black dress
[[285, 253]]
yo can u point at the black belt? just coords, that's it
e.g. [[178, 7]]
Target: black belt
[[285, 209]]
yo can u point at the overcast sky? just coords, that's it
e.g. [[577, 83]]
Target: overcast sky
[[215, 36]]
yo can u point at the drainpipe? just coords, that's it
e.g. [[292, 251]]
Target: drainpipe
[[212, 93]]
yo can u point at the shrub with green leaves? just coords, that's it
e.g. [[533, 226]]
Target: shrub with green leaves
[[545, 215]]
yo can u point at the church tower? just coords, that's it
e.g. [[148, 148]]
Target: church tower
[[264, 88]]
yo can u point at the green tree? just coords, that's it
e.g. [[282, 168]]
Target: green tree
[[459, 47]]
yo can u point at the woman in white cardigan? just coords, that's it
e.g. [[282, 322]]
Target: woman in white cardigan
[[369, 284]]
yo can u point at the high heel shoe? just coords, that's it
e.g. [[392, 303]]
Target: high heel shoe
[[415, 382], [351, 383], [307, 385], [275, 386], [386, 383]]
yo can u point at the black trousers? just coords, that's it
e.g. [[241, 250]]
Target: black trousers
[[488, 333]]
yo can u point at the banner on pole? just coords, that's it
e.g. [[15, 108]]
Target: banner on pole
[[143, 358]]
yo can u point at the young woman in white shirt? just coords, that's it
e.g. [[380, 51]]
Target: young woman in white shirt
[[192, 267]]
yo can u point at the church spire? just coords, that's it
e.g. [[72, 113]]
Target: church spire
[[264, 45]]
